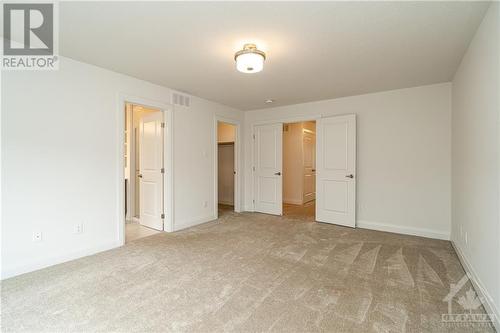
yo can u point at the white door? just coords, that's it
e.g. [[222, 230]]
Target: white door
[[309, 156], [336, 170], [151, 176], [268, 168]]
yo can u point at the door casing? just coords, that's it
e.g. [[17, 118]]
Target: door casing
[[315, 117], [237, 163], [168, 144]]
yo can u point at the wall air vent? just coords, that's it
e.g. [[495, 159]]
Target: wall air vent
[[182, 100]]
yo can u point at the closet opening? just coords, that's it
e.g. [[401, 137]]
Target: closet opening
[[226, 167]]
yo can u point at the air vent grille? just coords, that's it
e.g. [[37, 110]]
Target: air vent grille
[[182, 100]]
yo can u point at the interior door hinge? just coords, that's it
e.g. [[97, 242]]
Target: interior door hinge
[[162, 216], [162, 125], [253, 201], [253, 168], [162, 170], [254, 136]]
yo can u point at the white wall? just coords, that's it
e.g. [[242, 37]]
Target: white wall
[[403, 176], [475, 157], [60, 158]]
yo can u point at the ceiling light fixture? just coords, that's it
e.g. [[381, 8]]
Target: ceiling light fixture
[[250, 59]]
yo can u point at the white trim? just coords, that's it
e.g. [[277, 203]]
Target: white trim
[[168, 197], [436, 234], [478, 286], [58, 260], [168, 163], [288, 120], [237, 163], [194, 222], [283, 120], [252, 135], [249, 208]]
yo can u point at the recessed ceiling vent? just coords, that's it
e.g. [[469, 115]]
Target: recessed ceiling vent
[[182, 100]]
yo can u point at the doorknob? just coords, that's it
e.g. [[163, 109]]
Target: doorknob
[[349, 176], [139, 175], [278, 173]]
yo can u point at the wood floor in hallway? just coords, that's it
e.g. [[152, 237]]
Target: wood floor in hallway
[[135, 231]]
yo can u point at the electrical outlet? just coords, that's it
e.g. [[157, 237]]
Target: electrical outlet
[[205, 204], [79, 228], [37, 236]]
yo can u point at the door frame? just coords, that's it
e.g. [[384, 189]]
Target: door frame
[[268, 122], [237, 154], [168, 153]]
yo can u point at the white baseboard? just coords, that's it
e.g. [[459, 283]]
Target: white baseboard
[[482, 292], [249, 208], [194, 222], [403, 230], [14, 271]]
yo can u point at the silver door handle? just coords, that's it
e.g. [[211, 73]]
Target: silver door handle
[[349, 176], [277, 173]]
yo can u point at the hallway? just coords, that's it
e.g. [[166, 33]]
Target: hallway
[[134, 231], [305, 212]]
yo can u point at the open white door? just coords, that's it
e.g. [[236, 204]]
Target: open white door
[[151, 166], [309, 156], [268, 141], [336, 166]]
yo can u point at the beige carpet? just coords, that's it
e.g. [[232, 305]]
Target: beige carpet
[[245, 273]]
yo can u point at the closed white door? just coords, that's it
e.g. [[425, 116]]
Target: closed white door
[[268, 180], [336, 170], [309, 156], [150, 174]]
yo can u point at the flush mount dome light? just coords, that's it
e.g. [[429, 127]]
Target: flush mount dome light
[[250, 59]]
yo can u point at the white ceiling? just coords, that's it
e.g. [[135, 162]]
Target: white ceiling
[[315, 50]]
